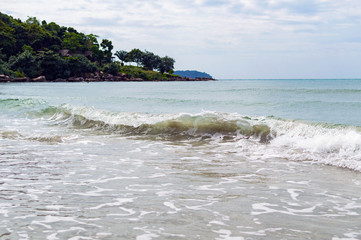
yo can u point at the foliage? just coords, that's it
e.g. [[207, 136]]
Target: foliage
[[192, 74], [53, 66], [107, 47], [122, 55], [78, 65], [33, 47], [166, 64], [150, 61], [135, 55], [112, 68], [138, 72], [4, 69], [19, 74], [25, 63], [73, 41], [146, 59]]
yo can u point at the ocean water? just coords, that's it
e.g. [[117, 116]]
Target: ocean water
[[228, 159]]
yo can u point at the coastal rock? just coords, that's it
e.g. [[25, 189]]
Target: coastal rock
[[60, 80], [101, 77], [24, 79], [39, 79]]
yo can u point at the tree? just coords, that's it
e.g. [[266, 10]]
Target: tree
[[107, 47], [52, 66], [166, 64], [122, 56], [79, 64], [112, 68], [7, 39], [25, 63], [150, 61], [135, 55], [72, 41]]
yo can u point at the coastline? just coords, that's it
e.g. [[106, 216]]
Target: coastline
[[100, 77]]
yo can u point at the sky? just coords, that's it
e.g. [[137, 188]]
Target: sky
[[229, 39]]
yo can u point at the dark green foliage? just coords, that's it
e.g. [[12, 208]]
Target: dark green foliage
[[135, 55], [166, 64], [112, 68], [138, 72], [72, 41], [25, 62], [78, 65], [150, 61], [122, 56], [33, 48], [53, 66], [107, 47], [4, 69]]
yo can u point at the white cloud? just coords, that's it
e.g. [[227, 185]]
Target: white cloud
[[227, 38]]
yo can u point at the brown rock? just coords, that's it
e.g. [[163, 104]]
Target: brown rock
[[39, 79]]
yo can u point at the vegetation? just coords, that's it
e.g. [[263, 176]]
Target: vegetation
[[33, 48], [137, 72], [192, 74]]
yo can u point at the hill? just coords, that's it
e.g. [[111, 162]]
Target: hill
[[192, 74], [33, 48]]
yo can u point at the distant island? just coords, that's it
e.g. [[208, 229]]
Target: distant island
[[192, 74], [34, 51]]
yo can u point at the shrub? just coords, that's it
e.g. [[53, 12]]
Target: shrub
[[111, 68]]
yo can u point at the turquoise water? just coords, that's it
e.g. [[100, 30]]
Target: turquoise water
[[331, 101], [228, 159]]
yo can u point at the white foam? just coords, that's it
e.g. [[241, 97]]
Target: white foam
[[148, 236], [172, 206], [118, 202]]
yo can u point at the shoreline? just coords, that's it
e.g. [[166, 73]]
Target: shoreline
[[101, 77]]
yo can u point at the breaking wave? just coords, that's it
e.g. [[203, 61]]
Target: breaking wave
[[266, 137], [169, 126]]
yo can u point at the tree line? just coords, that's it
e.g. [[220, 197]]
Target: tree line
[[33, 48]]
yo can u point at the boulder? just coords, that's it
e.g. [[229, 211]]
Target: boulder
[[39, 79]]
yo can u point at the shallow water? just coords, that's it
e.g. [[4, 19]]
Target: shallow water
[[92, 161]]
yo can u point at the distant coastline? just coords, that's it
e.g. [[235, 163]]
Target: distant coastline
[[192, 74], [38, 51], [101, 77]]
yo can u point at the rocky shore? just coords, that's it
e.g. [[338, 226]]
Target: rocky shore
[[99, 77]]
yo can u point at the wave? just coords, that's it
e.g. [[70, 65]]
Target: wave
[[337, 145], [18, 103], [168, 126]]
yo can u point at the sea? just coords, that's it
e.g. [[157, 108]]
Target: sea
[[226, 159]]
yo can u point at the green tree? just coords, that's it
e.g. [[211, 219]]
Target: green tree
[[25, 62], [122, 56], [107, 47], [79, 64], [135, 55], [166, 64], [112, 68], [72, 41], [150, 61], [7, 39], [52, 66], [4, 68]]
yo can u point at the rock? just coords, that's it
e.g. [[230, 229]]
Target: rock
[[39, 79], [60, 80]]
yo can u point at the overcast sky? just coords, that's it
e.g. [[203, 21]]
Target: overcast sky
[[225, 38]]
